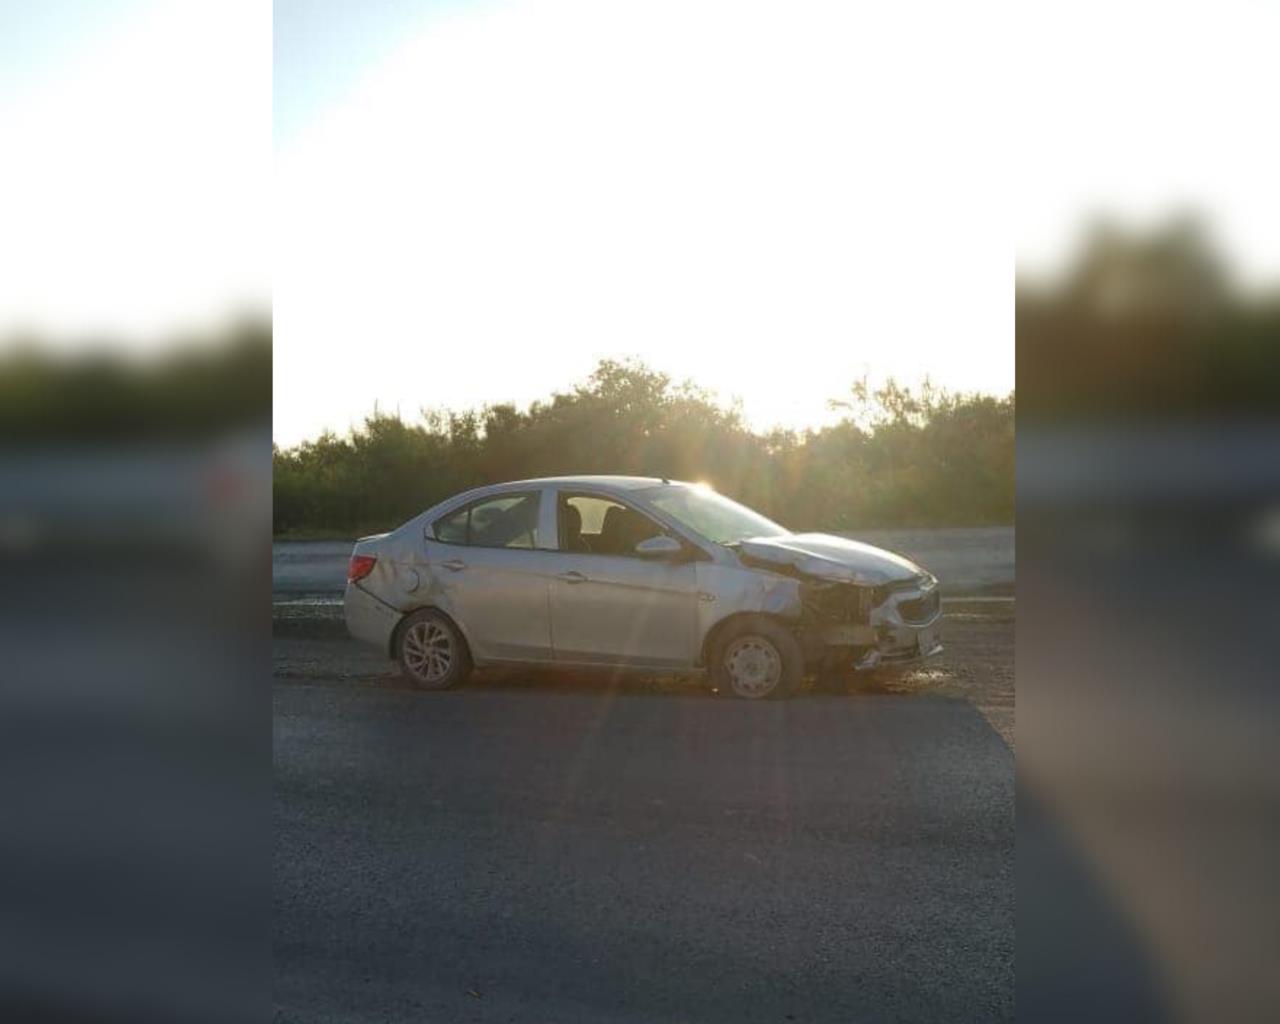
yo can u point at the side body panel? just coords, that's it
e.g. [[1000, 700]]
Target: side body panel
[[623, 610], [367, 618], [726, 589], [498, 596]]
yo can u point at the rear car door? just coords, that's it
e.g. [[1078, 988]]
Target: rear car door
[[492, 575], [610, 606]]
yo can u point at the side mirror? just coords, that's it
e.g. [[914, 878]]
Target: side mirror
[[660, 548]]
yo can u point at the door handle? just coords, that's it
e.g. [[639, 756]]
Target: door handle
[[454, 565], [572, 576]]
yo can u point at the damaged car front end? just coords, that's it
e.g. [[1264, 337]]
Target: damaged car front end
[[860, 607]]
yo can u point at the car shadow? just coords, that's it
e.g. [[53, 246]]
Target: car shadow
[[604, 681]]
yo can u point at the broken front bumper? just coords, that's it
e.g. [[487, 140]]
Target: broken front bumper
[[902, 629], [906, 627], [926, 647]]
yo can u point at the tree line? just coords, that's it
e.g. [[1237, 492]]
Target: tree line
[[897, 457], [1149, 326], [196, 388]]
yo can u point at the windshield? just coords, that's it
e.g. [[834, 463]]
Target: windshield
[[710, 514]]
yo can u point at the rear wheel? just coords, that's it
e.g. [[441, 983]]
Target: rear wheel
[[755, 659], [431, 653]]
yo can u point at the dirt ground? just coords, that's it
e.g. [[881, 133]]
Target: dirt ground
[[977, 663], [310, 643]]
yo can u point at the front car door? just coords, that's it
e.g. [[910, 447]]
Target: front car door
[[610, 606], [490, 567]]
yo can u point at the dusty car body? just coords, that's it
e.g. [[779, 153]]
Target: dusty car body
[[634, 573]]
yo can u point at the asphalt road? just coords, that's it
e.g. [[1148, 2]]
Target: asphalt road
[[513, 854]]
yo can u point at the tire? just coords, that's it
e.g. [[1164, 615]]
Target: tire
[[756, 658], [431, 652]]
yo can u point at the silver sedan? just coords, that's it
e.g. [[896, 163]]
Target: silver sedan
[[634, 573]]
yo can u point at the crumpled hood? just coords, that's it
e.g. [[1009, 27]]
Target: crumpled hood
[[828, 557]]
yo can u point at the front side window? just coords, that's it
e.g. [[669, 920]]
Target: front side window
[[594, 525], [503, 521]]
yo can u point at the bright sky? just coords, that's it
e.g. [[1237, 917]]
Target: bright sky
[[135, 183], [475, 200], [1141, 108], [769, 200]]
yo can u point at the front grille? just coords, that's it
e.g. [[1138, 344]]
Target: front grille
[[885, 591], [920, 609], [837, 602]]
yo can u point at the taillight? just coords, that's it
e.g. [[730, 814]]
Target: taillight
[[359, 567]]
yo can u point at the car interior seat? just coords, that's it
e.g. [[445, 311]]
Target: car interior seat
[[573, 538], [623, 529]]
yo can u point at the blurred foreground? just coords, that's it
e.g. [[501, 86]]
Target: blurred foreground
[[134, 535], [1149, 590]]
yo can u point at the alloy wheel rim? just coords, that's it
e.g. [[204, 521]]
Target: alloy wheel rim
[[428, 651], [754, 666]]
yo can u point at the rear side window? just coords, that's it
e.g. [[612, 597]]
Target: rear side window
[[452, 529], [503, 521]]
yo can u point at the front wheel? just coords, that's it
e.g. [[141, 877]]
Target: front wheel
[[430, 651], [757, 658]]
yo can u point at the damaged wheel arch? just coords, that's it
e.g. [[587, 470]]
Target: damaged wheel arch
[[394, 640]]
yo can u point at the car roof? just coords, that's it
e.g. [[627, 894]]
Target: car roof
[[618, 483], [604, 483]]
